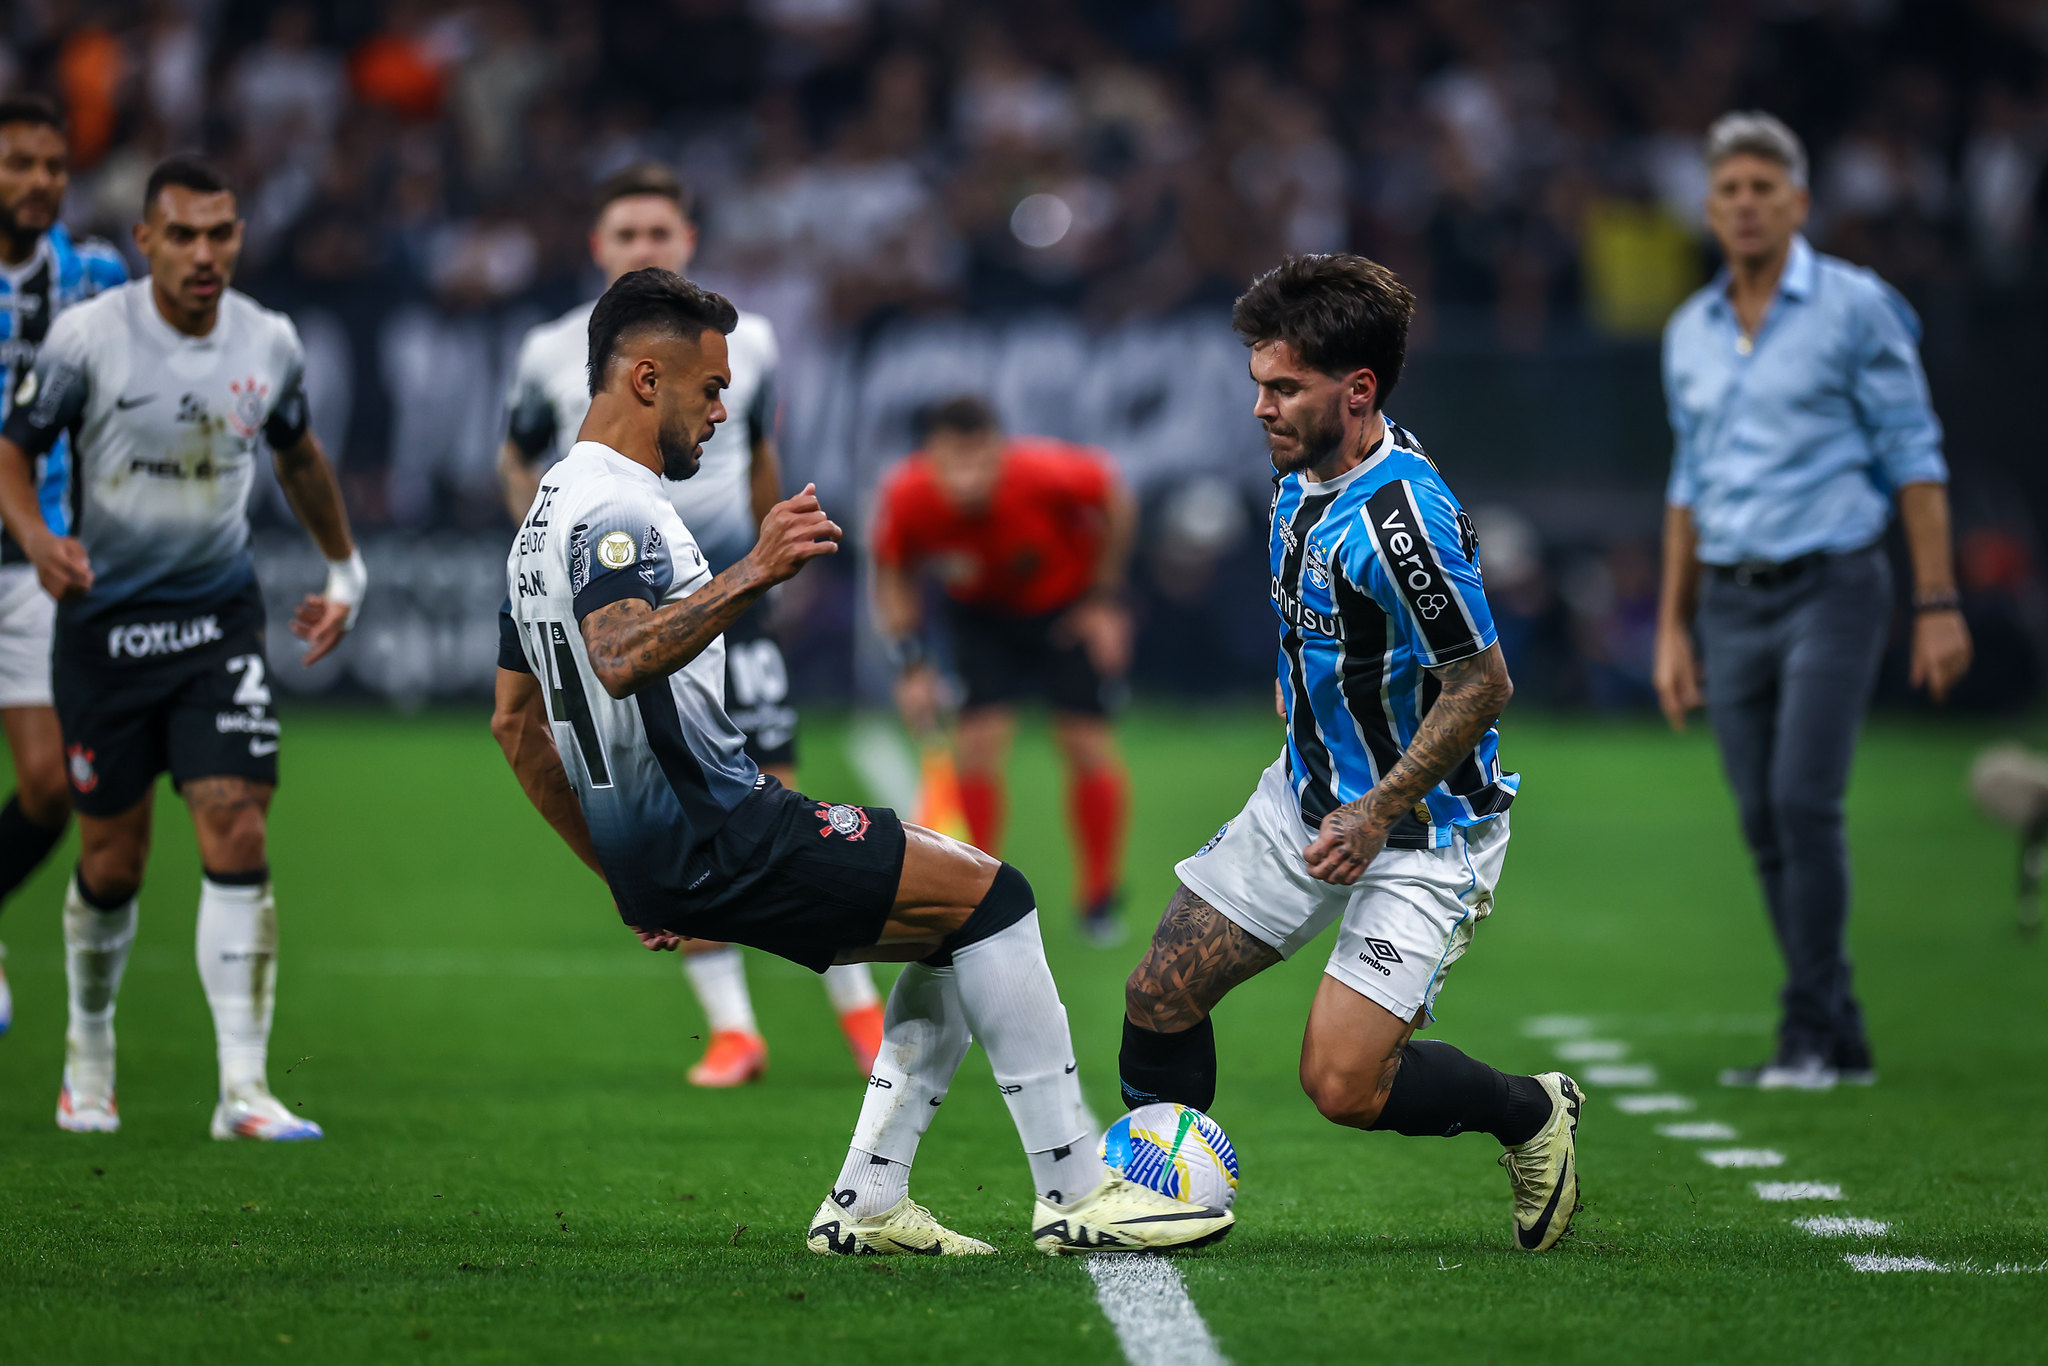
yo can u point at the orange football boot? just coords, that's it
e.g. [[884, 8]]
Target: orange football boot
[[863, 1029], [734, 1058]]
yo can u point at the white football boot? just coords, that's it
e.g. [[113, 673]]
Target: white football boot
[[906, 1228], [1122, 1216], [1544, 1172], [6, 996], [252, 1112], [85, 1101]]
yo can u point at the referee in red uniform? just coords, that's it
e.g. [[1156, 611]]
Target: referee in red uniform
[[1029, 539]]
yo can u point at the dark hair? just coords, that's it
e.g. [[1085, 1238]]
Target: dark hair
[[653, 298], [35, 109], [643, 177], [187, 173], [1339, 312], [962, 415]]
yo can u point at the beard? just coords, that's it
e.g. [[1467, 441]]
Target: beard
[[1315, 442], [679, 455]]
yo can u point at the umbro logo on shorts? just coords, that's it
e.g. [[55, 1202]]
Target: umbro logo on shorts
[[1382, 950], [141, 639]]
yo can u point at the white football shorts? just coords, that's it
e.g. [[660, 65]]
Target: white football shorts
[[1401, 925], [28, 623]]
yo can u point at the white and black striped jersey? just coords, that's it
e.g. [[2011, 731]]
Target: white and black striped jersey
[[56, 275], [657, 773], [165, 431], [551, 393], [1375, 579]]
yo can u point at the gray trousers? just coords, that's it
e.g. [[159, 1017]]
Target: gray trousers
[[1789, 669]]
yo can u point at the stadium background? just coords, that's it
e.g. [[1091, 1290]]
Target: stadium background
[[515, 1168], [1055, 203]]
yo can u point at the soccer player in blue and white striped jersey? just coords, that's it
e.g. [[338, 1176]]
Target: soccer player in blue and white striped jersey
[[42, 273], [1387, 812]]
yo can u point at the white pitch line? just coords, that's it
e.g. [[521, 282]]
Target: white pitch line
[[1621, 1074], [1557, 1026], [1743, 1157], [1700, 1131], [1796, 1190], [1148, 1305], [1653, 1105], [1592, 1050], [1884, 1261], [1842, 1226]]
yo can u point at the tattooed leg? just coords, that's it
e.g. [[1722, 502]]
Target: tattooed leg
[[1196, 956]]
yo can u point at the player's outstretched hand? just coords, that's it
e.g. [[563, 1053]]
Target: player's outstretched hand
[[321, 623], [63, 568], [794, 532], [1102, 626], [1675, 672], [1345, 848], [658, 941], [1941, 653]]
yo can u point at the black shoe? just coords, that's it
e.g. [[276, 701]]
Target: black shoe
[[1100, 924], [1853, 1064]]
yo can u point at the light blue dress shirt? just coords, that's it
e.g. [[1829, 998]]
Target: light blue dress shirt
[[1796, 440]]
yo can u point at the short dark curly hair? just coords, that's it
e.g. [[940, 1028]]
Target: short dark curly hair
[[653, 298], [1339, 312]]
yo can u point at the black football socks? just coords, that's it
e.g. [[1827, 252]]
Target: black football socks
[[23, 845], [1169, 1067], [1439, 1092]]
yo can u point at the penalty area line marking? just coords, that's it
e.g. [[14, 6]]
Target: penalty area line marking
[[1147, 1303]]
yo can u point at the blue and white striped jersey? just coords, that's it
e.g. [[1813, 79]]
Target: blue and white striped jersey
[[57, 274], [1376, 582]]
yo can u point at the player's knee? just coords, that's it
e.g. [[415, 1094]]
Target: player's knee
[[235, 839], [44, 795], [1158, 1005], [1341, 1098], [1008, 900], [112, 872], [1803, 817]]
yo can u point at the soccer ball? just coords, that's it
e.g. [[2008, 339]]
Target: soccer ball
[[1175, 1150]]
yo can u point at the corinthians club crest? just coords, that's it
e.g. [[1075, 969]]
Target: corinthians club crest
[[247, 413], [841, 819]]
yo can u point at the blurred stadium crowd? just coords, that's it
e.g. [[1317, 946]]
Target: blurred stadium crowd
[[1073, 190]]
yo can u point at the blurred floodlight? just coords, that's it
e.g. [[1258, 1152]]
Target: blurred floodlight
[[1041, 220]]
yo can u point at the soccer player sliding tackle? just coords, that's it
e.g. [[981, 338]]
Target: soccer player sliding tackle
[[611, 708], [1387, 813]]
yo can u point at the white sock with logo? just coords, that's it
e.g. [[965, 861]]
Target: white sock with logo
[[236, 945], [720, 980], [924, 1037], [1014, 1008], [96, 947], [850, 986]]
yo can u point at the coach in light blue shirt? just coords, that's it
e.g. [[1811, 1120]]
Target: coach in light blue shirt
[[1800, 419]]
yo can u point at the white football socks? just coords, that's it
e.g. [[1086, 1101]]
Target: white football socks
[[236, 946], [924, 1037], [720, 980], [1014, 1008], [95, 952], [850, 986]]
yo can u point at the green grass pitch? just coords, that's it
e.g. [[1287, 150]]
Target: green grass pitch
[[515, 1170]]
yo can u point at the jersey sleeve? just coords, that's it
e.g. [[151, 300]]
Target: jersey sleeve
[[102, 265], [511, 654], [530, 413], [290, 416], [1424, 571], [615, 553], [50, 398], [1088, 476]]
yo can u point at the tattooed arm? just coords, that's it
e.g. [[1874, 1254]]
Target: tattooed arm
[[1197, 955], [1474, 690], [632, 644]]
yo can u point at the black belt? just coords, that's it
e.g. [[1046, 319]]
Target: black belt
[[1767, 573]]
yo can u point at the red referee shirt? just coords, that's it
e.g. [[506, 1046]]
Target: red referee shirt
[[1033, 550]]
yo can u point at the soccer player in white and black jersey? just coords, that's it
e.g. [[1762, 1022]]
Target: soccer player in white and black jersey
[[643, 220], [1387, 811], [613, 716], [167, 389], [42, 273]]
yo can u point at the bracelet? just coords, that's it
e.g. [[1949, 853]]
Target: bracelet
[[1942, 602], [904, 653]]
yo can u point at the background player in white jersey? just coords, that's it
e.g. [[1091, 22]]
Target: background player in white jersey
[[618, 621], [167, 388], [42, 272], [643, 220], [1387, 813]]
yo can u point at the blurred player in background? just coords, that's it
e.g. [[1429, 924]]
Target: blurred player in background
[[168, 387], [1030, 540], [643, 220], [1387, 811], [42, 273], [1800, 416]]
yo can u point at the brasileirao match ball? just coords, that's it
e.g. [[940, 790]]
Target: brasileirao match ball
[[1175, 1150]]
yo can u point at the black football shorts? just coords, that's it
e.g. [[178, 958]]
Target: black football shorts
[[801, 878], [181, 688], [1003, 660]]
